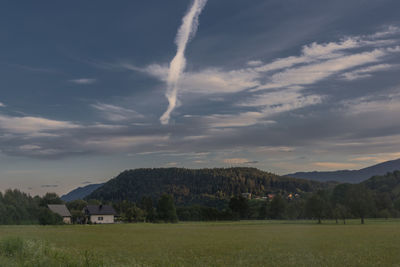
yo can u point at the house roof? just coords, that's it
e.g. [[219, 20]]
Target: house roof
[[100, 210], [60, 209]]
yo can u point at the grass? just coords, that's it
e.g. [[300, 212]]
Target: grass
[[246, 243]]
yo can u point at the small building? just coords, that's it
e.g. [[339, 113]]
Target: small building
[[61, 210], [246, 195], [99, 214], [270, 196]]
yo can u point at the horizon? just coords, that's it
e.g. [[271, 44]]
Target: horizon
[[89, 91]]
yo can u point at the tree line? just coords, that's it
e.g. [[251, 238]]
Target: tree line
[[17, 207], [377, 197], [345, 201]]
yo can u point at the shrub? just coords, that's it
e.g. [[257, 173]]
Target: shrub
[[11, 246]]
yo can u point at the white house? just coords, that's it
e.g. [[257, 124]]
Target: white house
[[99, 214], [61, 210]]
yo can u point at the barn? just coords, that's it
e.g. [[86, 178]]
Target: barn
[[61, 210]]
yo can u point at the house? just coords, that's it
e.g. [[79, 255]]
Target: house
[[99, 214], [61, 210], [246, 195]]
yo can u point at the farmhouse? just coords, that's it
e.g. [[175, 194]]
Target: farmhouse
[[61, 210], [99, 213]]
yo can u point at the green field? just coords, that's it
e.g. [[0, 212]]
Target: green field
[[246, 243]]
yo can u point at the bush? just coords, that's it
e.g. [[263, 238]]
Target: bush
[[19, 252], [47, 217]]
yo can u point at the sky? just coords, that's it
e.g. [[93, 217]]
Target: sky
[[89, 89]]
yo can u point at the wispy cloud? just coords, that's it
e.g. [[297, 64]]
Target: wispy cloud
[[238, 161], [376, 104], [366, 72], [2, 105], [177, 66], [116, 113], [236, 120], [32, 125], [83, 81], [124, 142], [377, 158]]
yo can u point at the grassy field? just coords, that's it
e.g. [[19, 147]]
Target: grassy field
[[248, 243]]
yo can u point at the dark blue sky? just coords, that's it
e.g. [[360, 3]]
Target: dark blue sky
[[280, 85]]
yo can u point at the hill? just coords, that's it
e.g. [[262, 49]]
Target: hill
[[350, 176], [202, 186], [388, 183], [80, 192]]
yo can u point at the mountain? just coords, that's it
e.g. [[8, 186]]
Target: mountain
[[80, 192], [350, 176], [201, 186]]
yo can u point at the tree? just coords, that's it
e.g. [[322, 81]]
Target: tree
[[263, 211], [296, 209], [166, 209], [278, 207], [146, 205], [46, 217], [240, 206], [50, 198], [317, 205], [340, 212], [134, 214], [360, 201], [77, 204]]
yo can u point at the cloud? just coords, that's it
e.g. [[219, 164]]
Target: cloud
[[318, 61], [49, 186], [123, 142], [83, 81], [312, 73], [2, 105], [177, 66], [171, 164], [378, 158], [374, 104], [236, 120], [259, 90], [236, 161], [366, 72], [281, 101], [336, 165], [32, 125], [254, 63], [29, 147], [116, 113]]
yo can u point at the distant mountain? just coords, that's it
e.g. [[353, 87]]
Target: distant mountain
[[353, 176], [80, 192], [202, 186]]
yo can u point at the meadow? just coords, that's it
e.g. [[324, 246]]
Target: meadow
[[245, 243]]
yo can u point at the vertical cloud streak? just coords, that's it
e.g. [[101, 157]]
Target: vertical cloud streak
[[187, 31]]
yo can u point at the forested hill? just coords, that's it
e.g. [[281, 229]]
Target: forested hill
[[388, 183], [350, 176], [198, 186]]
